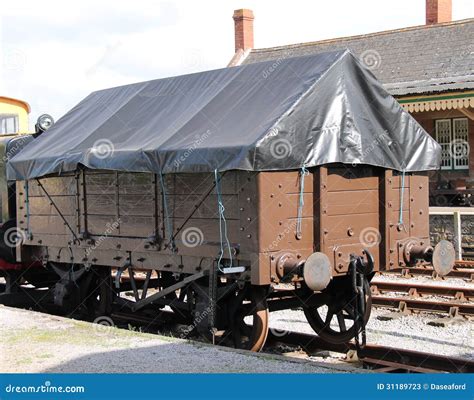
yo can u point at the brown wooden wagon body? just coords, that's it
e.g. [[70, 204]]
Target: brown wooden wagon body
[[116, 218]]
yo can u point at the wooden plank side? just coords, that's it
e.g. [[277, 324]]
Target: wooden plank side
[[135, 183], [102, 224], [350, 213], [206, 229], [142, 204], [353, 202], [101, 204], [349, 179], [288, 182], [278, 211], [65, 185], [52, 224], [42, 206], [353, 229], [136, 226], [181, 205], [419, 206], [100, 182], [394, 204], [200, 183]]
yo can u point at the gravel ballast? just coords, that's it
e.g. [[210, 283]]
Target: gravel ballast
[[411, 332], [36, 342]]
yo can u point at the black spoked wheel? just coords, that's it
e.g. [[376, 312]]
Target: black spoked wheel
[[334, 320]]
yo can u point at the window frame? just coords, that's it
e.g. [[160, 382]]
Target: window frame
[[437, 135], [452, 136], [16, 123], [462, 167]]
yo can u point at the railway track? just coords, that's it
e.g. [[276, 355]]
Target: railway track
[[455, 300], [380, 358], [462, 270], [373, 357], [407, 304], [415, 289]]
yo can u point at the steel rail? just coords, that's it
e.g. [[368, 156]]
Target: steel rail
[[415, 289], [461, 272], [381, 358], [466, 309]]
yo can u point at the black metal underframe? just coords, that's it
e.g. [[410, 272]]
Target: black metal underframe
[[170, 289]]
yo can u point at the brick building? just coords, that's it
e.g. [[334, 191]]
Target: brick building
[[428, 68]]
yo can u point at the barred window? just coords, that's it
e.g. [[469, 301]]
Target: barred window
[[453, 137]]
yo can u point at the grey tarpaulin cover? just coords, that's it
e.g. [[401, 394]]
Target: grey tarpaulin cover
[[277, 115]]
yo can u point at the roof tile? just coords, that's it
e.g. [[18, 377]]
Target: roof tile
[[418, 54]]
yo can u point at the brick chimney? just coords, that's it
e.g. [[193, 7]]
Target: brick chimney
[[438, 11], [243, 29]]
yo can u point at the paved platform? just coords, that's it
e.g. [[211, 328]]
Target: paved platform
[[36, 342]]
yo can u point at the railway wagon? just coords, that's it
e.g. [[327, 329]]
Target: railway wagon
[[227, 194]]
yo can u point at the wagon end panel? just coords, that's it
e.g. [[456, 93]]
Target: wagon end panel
[[406, 219], [285, 223], [369, 208], [347, 213]]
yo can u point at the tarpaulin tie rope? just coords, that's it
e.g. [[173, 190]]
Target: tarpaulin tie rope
[[27, 193], [169, 228], [303, 173], [402, 192], [222, 223]]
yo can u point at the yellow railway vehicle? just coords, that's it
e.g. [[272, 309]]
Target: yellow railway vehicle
[[13, 116], [14, 135]]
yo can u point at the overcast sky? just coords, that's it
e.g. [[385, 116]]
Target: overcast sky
[[53, 53]]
